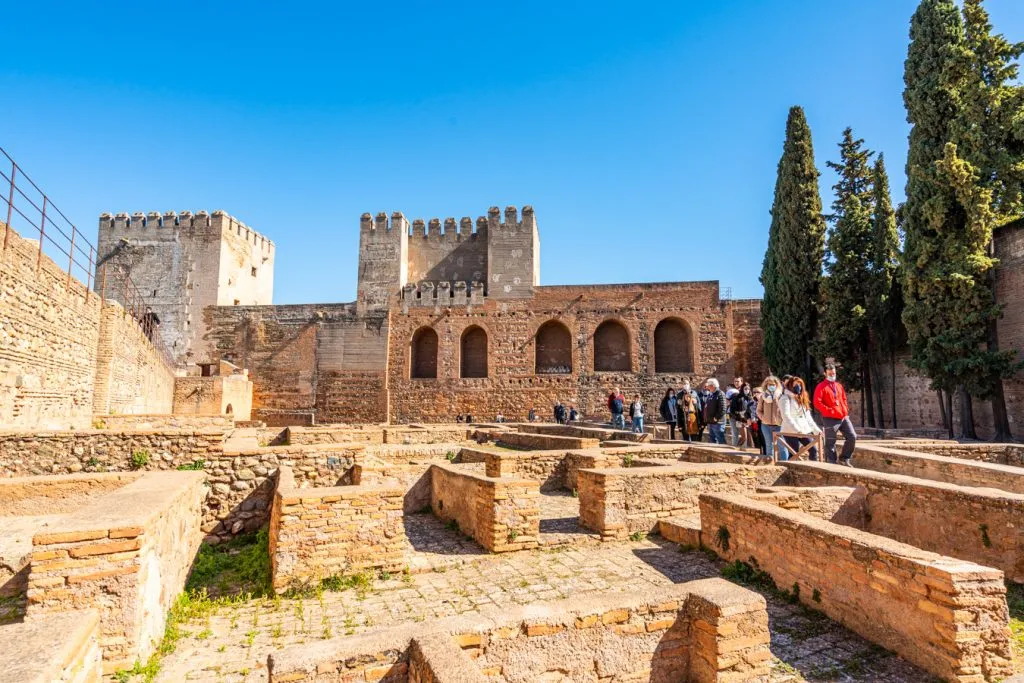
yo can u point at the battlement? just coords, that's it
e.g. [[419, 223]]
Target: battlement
[[427, 294], [450, 229], [201, 220]]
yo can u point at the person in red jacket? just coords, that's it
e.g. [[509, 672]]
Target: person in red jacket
[[830, 401]]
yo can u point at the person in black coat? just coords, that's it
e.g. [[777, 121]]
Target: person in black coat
[[668, 411]]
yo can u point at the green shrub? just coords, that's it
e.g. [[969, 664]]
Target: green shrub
[[140, 459]]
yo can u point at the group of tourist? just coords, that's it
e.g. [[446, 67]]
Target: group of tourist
[[756, 415]]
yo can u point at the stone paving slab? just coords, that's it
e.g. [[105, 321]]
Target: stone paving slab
[[232, 644]]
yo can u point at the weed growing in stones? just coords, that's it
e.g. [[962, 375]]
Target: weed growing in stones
[[637, 536], [985, 540], [139, 459], [195, 465], [722, 538], [242, 565], [451, 455]]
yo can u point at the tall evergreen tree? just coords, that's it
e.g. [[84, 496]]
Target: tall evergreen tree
[[885, 305], [950, 307], [791, 273], [846, 289]]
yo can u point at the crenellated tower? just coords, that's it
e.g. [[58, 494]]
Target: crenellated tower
[[182, 263], [447, 263]]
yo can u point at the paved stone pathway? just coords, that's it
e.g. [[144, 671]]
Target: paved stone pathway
[[232, 644]]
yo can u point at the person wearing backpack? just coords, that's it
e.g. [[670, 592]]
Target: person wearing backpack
[[616, 406], [636, 415]]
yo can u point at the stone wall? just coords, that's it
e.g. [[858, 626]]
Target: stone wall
[[308, 363], [546, 467], [50, 327], [945, 615], [502, 514], [127, 555], [979, 525], [56, 648], [620, 501], [998, 453], [132, 376], [703, 631], [940, 468], [194, 423], [543, 442], [316, 533], [58, 494], [182, 263], [226, 395]]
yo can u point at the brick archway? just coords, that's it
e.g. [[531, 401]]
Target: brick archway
[[612, 347], [553, 352], [673, 346], [473, 352], [423, 354]]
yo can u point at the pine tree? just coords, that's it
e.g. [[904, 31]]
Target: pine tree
[[791, 273], [846, 289], [885, 305]]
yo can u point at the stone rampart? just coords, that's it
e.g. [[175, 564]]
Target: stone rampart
[[132, 376], [619, 501], [979, 525], [51, 325], [501, 514], [127, 555], [703, 631], [945, 615], [316, 533], [56, 648]]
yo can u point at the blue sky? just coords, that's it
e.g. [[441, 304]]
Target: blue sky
[[645, 135]]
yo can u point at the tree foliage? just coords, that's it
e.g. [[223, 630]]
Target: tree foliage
[[791, 273], [885, 304], [961, 172]]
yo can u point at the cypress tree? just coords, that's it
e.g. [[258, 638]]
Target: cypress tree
[[791, 273], [951, 199], [847, 286], [885, 305]]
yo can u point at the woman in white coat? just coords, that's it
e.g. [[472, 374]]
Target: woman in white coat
[[795, 406]]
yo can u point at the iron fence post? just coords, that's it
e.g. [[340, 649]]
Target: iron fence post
[[42, 235]]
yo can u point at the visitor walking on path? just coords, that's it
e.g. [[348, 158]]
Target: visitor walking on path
[[830, 401], [669, 411], [715, 411], [754, 423], [796, 419], [703, 396], [739, 414], [636, 414], [616, 404], [688, 411], [769, 413]]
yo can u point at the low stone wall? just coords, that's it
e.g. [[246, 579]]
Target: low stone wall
[[544, 442], [127, 555], [945, 615], [546, 467], [377, 434], [619, 501], [25, 454], [333, 434], [192, 423], [999, 453], [940, 468], [56, 648], [417, 434], [501, 514], [56, 495], [979, 525], [587, 460], [701, 631], [838, 504], [316, 533], [580, 432]]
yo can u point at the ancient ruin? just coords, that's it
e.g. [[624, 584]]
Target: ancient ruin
[[197, 485]]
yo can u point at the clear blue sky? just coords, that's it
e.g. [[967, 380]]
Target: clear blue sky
[[646, 135]]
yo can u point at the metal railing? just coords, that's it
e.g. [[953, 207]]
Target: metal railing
[[28, 211]]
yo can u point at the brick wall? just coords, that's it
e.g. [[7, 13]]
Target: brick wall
[[947, 616], [617, 502], [940, 468], [545, 467], [998, 453], [316, 533], [979, 525], [127, 555], [132, 376], [501, 514], [50, 328], [702, 631]]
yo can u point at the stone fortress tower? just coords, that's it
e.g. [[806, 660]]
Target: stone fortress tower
[[182, 263], [500, 259]]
